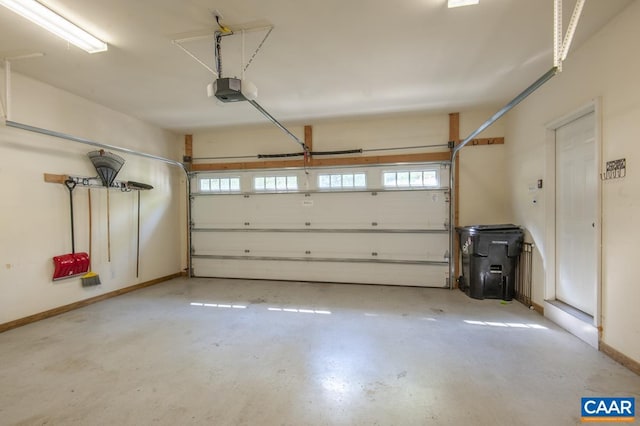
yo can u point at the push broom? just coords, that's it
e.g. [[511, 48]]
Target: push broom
[[90, 278]]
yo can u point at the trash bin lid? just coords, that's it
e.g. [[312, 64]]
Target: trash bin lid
[[478, 239], [480, 228]]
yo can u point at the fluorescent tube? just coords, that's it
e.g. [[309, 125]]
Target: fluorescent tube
[[458, 3], [51, 21]]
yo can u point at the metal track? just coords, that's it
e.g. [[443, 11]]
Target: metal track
[[333, 191], [278, 124], [508, 107], [325, 231], [93, 143], [84, 141], [320, 259]]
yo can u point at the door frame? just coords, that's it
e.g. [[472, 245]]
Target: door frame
[[550, 213]]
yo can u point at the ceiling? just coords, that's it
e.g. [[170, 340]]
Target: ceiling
[[330, 58]]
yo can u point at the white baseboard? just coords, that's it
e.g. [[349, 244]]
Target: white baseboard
[[580, 328]]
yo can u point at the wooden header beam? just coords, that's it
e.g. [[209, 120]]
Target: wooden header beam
[[188, 151], [454, 127], [308, 137], [454, 136], [326, 162]]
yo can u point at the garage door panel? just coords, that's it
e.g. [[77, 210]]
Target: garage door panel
[[275, 210], [322, 245], [391, 209], [342, 210], [412, 209], [234, 211], [395, 210], [375, 235], [217, 211], [366, 273]]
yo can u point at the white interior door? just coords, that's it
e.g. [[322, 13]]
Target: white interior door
[[576, 213]]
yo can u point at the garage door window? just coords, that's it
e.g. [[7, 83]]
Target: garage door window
[[275, 183], [342, 181], [411, 179], [223, 184]]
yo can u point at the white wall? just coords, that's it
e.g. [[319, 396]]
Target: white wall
[[483, 182], [34, 215], [328, 135], [606, 67], [482, 173]]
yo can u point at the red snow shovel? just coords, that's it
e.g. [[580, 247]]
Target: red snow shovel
[[72, 264]]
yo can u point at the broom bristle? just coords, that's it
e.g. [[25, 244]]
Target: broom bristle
[[90, 279]]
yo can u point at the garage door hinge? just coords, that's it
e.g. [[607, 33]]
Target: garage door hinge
[[446, 225], [446, 255]]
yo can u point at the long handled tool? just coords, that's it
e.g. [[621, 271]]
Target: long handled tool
[[107, 165], [108, 229], [138, 241], [140, 187], [72, 264], [90, 278]]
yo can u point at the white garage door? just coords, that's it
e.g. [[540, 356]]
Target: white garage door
[[371, 225]]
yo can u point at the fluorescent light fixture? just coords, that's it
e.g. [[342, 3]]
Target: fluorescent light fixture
[[458, 3], [51, 21]]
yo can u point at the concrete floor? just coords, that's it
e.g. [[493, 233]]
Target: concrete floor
[[234, 352]]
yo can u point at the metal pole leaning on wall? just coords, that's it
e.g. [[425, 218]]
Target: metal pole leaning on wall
[[72, 138], [92, 143], [508, 107], [7, 90]]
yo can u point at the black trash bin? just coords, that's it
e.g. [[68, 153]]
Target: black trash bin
[[489, 259]]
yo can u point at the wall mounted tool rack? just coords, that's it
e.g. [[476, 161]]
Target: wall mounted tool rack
[[94, 182]]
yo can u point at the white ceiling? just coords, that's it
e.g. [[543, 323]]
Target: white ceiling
[[323, 59]]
